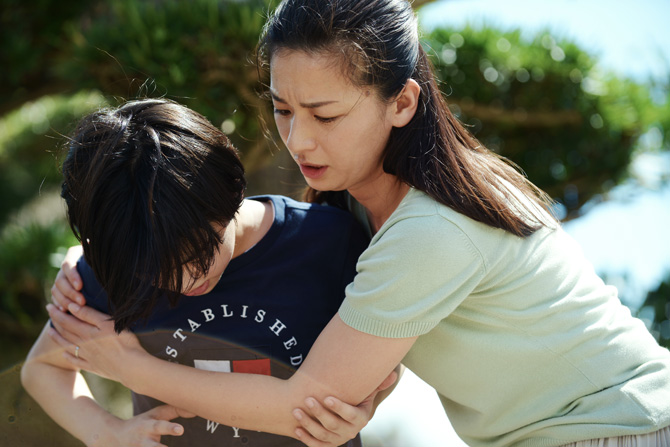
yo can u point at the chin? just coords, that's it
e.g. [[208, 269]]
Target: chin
[[323, 186]]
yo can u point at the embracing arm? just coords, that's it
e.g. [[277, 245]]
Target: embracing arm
[[62, 391], [343, 362], [64, 395]]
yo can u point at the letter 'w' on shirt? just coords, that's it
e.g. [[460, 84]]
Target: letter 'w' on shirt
[[256, 366]]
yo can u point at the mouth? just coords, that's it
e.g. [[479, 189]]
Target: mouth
[[312, 171], [199, 291]]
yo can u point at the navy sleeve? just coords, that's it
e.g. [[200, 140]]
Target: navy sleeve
[[92, 290]]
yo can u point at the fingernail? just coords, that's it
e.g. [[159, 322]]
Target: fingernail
[[329, 401], [50, 307], [80, 300], [298, 433], [297, 414], [178, 429], [310, 403], [73, 307]]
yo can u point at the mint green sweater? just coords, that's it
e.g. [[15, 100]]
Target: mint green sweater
[[524, 343]]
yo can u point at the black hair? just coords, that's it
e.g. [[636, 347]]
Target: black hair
[[378, 46], [148, 186]]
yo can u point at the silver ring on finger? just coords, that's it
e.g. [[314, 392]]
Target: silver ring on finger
[[76, 351]]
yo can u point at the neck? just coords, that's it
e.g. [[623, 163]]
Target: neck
[[381, 200], [253, 220]]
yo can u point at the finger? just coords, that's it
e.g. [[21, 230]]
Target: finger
[[60, 340], [72, 276], [69, 266], [71, 328], [64, 285], [314, 428], [165, 428], [57, 316], [69, 350], [62, 299], [328, 419], [88, 315], [76, 360], [58, 298], [349, 413]]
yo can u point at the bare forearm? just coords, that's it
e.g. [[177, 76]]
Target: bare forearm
[[65, 397], [248, 401], [343, 364]]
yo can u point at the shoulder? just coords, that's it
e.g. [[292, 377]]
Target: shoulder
[[294, 211], [305, 206], [422, 225], [95, 295], [310, 227]]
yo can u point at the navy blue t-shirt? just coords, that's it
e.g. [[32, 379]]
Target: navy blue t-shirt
[[262, 317]]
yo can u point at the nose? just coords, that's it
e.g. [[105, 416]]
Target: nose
[[300, 138]]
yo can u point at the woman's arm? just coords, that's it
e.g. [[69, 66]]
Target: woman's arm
[[343, 362], [64, 395]]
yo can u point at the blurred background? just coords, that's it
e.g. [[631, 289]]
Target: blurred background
[[577, 93]]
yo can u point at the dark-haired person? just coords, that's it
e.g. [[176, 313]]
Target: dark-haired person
[[468, 278], [206, 278]]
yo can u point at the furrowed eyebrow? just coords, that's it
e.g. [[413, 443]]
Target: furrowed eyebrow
[[306, 105]]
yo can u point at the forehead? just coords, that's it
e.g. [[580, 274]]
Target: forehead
[[314, 72]]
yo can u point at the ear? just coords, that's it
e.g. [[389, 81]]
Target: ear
[[406, 103]]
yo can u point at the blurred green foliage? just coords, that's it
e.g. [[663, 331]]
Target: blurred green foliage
[[33, 44], [197, 52], [544, 105], [31, 139], [29, 260]]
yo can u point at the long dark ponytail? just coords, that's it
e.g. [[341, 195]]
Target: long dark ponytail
[[377, 42]]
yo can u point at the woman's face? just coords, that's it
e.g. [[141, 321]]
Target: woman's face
[[334, 130]]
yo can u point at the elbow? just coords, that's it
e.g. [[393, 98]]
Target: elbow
[[31, 373], [27, 375]]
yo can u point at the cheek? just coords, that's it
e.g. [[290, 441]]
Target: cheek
[[226, 252], [365, 142], [282, 129], [219, 267]]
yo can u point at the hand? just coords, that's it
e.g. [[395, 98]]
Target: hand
[[68, 283], [91, 343], [334, 422], [143, 430]]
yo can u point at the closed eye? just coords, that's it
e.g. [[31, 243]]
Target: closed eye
[[282, 112], [323, 119]]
